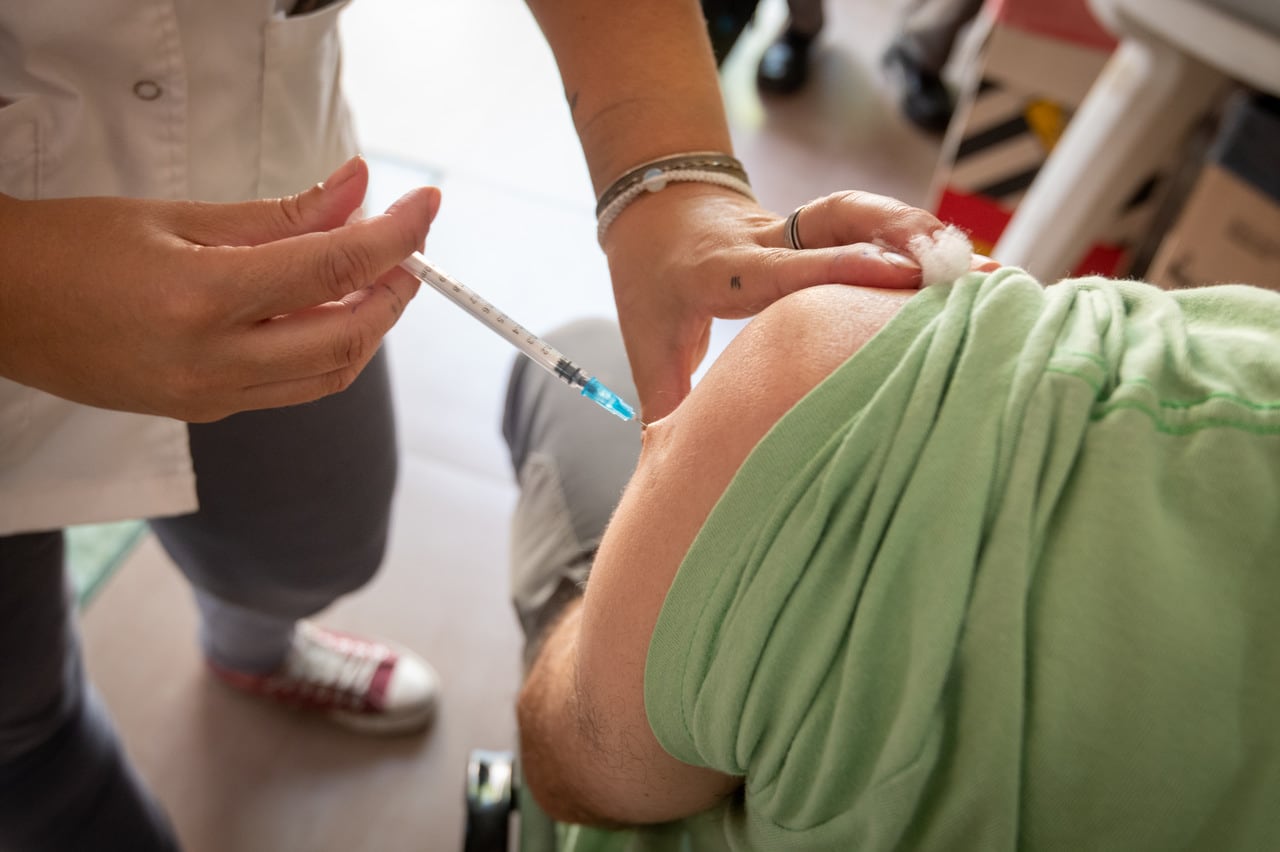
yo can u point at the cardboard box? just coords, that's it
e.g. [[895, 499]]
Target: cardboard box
[[1011, 111], [1229, 227]]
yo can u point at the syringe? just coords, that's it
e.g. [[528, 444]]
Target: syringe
[[517, 335]]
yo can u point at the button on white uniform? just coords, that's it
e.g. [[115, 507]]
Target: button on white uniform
[[147, 90]]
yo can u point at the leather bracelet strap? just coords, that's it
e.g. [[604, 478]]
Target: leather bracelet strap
[[701, 166], [712, 161]]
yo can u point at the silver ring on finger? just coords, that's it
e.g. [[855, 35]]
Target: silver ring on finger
[[793, 229]]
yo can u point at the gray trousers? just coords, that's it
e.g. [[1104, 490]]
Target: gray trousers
[[572, 461], [930, 29], [294, 509]]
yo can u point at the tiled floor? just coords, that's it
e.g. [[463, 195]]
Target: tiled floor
[[463, 95]]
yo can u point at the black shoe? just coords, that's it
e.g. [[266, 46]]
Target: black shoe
[[924, 99], [785, 64]]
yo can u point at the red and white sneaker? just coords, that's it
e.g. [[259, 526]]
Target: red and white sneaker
[[362, 684]]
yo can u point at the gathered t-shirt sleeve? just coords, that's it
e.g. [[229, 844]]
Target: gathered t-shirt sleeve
[[862, 629]]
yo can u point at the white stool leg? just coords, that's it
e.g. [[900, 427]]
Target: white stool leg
[[1141, 105]]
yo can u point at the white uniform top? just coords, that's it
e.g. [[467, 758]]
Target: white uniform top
[[216, 100]]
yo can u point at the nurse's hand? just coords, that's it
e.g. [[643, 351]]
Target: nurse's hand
[[693, 251], [195, 310]]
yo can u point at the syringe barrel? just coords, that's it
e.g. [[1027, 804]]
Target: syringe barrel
[[471, 302]]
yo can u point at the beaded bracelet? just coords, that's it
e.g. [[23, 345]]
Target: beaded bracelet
[[700, 166]]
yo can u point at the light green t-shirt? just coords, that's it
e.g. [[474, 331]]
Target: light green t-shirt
[[1008, 578]]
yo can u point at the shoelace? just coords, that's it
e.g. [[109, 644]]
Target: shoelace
[[332, 666]]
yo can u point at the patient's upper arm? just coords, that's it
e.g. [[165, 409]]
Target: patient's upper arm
[[588, 751]]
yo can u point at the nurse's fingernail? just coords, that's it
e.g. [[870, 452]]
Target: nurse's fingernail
[[899, 260], [342, 174]]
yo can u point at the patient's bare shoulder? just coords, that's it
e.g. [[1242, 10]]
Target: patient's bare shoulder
[[777, 359], [797, 342]]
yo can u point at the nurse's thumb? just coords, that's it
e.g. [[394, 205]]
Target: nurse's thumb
[[338, 196], [325, 206], [329, 204]]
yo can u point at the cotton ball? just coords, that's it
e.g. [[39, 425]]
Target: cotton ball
[[943, 256]]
